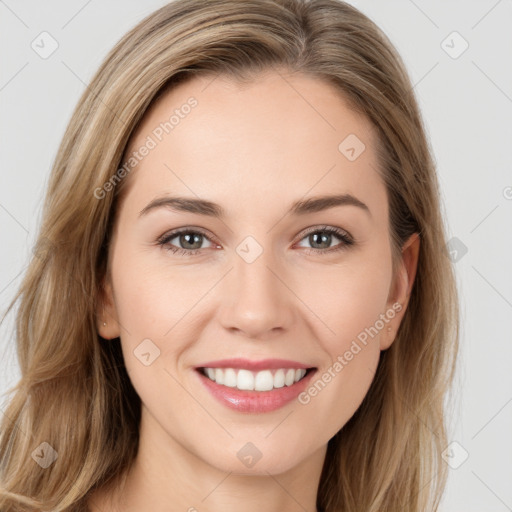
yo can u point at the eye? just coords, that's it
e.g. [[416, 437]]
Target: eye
[[189, 239], [321, 237]]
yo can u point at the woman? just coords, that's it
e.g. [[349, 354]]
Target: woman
[[240, 296]]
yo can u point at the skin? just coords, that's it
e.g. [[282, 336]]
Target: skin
[[254, 150]]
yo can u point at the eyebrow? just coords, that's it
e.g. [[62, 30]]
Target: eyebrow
[[208, 208]]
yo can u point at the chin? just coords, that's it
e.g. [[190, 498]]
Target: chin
[[248, 461]]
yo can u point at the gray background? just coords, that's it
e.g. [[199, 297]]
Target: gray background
[[466, 101]]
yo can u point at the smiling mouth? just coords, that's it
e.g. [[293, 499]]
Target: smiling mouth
[[263, 380]]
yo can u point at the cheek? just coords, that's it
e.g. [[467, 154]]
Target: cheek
[[151, 299], [353, 353], [152, 313], [352, 313], [348, 300], [159, 312]]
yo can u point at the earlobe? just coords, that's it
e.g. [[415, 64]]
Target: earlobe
[[401, 288]]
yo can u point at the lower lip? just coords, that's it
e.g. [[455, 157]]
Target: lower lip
[[255, 401]]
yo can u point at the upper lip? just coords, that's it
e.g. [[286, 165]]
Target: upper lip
[[246, 364]]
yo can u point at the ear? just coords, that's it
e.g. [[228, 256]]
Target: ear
[[106, 312], [401, 289]]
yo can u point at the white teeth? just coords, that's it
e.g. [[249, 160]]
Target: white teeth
[[264, 380], [219, 376], [279, 379], [230, 378], [245, 379], [290, 377]]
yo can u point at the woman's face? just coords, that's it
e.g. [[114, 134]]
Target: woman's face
[[265, 267]]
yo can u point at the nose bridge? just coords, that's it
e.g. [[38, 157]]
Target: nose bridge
[[252, 269], [256, 300]]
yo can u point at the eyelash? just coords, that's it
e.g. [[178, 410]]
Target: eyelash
[[341, 234]]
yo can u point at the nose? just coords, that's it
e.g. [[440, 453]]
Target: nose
[[255, 299]]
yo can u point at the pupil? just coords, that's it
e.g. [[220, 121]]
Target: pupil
[[323, 238], [185, 240]]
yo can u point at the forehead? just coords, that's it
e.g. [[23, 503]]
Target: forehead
[[278, 134]]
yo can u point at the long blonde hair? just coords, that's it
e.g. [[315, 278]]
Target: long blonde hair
[[74, 392]]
